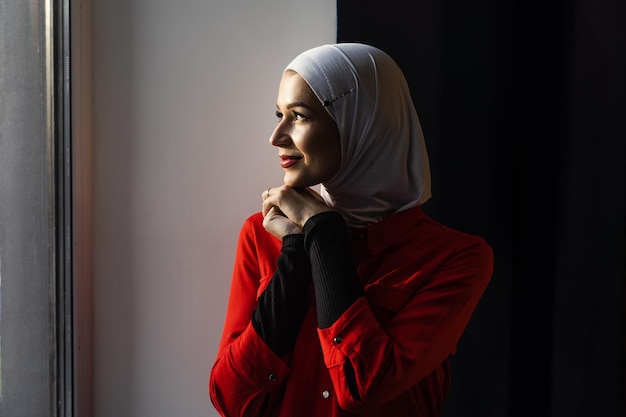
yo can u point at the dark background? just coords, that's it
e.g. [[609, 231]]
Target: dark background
[[523, 106]]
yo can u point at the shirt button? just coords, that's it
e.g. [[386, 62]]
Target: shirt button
[[273, 377], [337, 340], [325, 394]]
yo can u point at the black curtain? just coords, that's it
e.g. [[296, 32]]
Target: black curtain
[[523, 106]]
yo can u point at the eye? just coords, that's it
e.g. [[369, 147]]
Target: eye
[[299, 116], [294, 115]]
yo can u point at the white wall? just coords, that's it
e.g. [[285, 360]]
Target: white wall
[[183, 105]]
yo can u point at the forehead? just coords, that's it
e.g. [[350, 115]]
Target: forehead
[[294, 89]]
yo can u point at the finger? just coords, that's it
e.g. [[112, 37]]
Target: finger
[[273, 213], [268, 204], [266, 208]]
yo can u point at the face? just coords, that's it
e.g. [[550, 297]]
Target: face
[[306, 136]]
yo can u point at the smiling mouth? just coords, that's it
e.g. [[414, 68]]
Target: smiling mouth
[[286, 161]]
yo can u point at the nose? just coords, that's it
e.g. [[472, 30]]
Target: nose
[[280, 136]]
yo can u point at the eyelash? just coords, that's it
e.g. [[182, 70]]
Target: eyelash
[[298, 116]]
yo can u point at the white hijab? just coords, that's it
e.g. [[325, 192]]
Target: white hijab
[[384, 163]]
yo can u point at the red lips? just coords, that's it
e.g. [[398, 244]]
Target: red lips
[[287, 160]]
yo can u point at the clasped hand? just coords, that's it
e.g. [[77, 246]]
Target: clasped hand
[[287, 209]]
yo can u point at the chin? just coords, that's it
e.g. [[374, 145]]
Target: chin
[[297, 182]]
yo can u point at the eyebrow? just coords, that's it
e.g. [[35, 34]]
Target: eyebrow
[[298, 104]]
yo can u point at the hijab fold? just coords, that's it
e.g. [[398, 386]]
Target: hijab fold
[[384, 162]]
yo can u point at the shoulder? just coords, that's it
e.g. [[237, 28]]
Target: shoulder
[[444, 244], [254, 222], [456, 235], [254, 234], [460, 248], [448, 235], [414, 225]]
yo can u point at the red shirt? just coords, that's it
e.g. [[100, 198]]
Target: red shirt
[[422, 282]]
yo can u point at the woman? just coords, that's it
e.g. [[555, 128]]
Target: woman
[[350, 302]]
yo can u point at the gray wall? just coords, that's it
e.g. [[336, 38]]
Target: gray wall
[[183, 105]]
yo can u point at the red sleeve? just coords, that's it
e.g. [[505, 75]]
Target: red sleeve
[[246, 371], [391, 356]]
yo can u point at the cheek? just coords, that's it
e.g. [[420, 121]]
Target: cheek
[[333, 144], [336, 158], [320, 148], [332, 152]]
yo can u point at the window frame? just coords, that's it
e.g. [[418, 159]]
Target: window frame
[[36, 217]]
